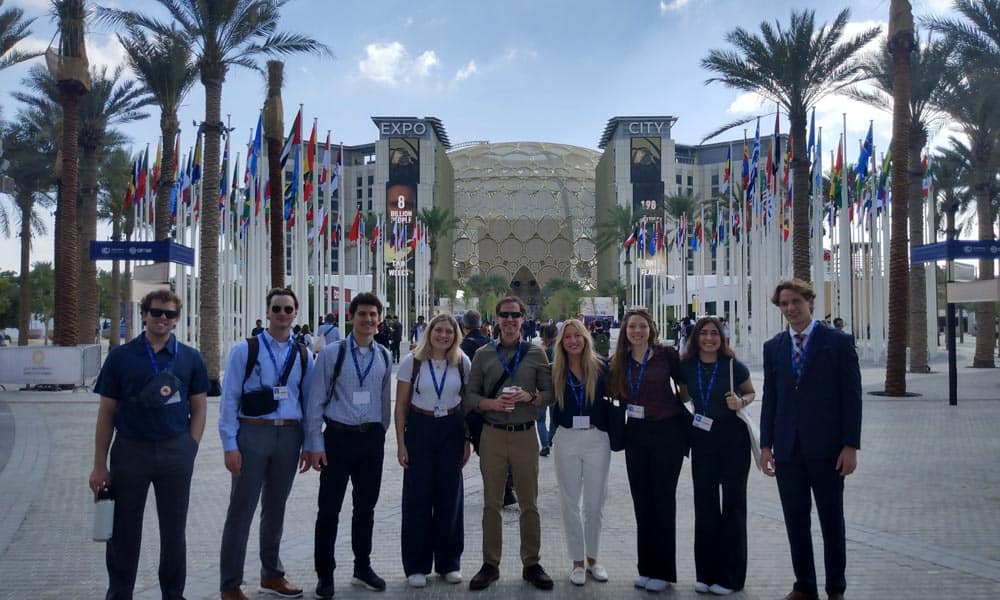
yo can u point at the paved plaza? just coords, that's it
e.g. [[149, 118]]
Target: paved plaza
[[923, 509]]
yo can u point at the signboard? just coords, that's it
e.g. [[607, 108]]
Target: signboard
[[401, 222], [163, 251], [55, 365], [650, 249], [956, 249]]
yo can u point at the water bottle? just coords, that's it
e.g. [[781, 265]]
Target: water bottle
[[104, 515]]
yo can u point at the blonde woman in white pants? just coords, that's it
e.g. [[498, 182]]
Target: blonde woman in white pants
[[583, 454]]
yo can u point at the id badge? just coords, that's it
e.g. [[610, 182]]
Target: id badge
[[581, 422], [175, 399], [362, 398], [636, 411], [440, 411], [280, 392], [702, 422]]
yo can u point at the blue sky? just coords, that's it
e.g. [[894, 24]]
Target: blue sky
[[540, 70]]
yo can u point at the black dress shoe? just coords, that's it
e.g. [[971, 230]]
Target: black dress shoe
[[536, 576], [367, 578], [487, 574], [324, 589]]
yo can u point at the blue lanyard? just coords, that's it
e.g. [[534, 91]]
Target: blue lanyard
[[711, 383], [438, 389], [642, 370], [288, 357], [357, 367], [152, 358], [503, 361], [576, 387]]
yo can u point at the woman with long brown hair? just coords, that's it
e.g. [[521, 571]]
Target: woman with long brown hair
[[655, 443]]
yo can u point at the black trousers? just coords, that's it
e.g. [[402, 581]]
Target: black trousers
[[135, 464], [433, 526], [720, 461], [797, 478], [654, 454], [355, 456]]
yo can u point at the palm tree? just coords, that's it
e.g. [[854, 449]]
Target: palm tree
[[618, 225], [927, 65], [116, 171], [952, 181], [165, 68], [488, 288], [794, 67], [222, 35], [69, 68], [13, 29], [273, 131], [438, 224]]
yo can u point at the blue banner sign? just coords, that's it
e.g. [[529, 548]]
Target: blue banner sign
[[956, 249], [163, 251]]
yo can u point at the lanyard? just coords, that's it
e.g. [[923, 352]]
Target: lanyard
[[642, 370], [357, 367], [288, 357], [577, 389], [152, 358], [711, 383], [503, 361], [438, 389]]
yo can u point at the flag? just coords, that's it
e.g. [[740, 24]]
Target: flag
[[883, 180], [335, 237], [196, 166], [140, 186], [355, 231], [776, 146], [293, 140], [130, 190], [307, 172], [641, 242], [224, 177], [156, 164], [836, 177], [817, 165], [375, 233], [423, 240], [812, 135], [324, 173], [659, 236], [754, 161], [413, 239], [632, 237], [186, 182], [727, 170], [928, 181], [335, 177], [293, 148], [786, 179], [651, 245], [865, 155], [745, 172]]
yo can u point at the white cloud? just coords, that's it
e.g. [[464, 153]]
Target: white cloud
[[467, 71], [747, 102], [390, 63], [672, 5]]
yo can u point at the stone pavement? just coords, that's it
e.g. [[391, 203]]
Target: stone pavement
[[923, 509]]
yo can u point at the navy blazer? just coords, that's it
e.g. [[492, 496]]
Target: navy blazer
[[824, 410]]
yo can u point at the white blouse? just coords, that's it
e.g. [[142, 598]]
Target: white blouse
[[424, 395]]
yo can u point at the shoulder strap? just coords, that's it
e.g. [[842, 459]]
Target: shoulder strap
[[461, 375], [253, 349], [303, 365], [338, 365]]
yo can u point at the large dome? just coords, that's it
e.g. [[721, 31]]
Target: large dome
[[527, 212]]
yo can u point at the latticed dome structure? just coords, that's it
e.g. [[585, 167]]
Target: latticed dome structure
[[527, 212]]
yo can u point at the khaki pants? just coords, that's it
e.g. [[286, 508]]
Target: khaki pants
[[519, 450]]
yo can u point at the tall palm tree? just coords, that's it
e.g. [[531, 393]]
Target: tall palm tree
[[438, 224], [794, 67], [611, 233], [70, 69], [274, 126], [116, 171], [13, 29], [165, 67], [222, 35], [927, 65]]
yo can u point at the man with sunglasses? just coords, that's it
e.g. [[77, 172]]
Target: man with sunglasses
[[153, 391], [260, 416], [508, 382]]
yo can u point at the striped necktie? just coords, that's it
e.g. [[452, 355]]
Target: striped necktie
[[797, 355]]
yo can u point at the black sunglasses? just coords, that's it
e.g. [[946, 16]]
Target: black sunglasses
[[156, 313], [288, 309], [509, 315]]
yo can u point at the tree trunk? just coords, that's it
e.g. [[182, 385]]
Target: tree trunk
[[918, 279], [801, 261], [86, 221], [985, 311], [208, 274], [25, 202], [66, 269], [116, 292], [168, 129], [901, 45], [273, 130]]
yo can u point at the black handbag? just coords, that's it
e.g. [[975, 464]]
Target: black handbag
[[258, 402], [616, 424]]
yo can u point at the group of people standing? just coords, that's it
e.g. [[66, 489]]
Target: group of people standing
[[284, 411]]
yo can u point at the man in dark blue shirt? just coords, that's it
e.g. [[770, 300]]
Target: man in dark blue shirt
[[153, 392]]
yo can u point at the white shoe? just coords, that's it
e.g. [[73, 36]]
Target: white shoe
[[417, 580], [702, 588], [598, 572], [578, 576], [453, 577], [718, 590], [641, 582], [657, 585]]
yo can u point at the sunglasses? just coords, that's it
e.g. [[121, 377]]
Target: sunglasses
[[288, 309], [509, 315], [156, 313]]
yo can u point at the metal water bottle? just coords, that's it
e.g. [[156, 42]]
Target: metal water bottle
[[104, 515]]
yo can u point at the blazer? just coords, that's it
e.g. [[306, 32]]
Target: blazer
[[823, 410]]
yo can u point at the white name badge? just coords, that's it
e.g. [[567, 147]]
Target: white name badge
[[280, 392], [440, 411], [635, 411], [362, 398], [702, 422], [581, 422], [175, 399]]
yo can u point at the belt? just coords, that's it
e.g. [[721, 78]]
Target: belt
[[274, 422], [513, 426], [430, 413], [330, 423]]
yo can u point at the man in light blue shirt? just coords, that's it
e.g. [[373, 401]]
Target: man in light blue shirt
[[349, 392], [260, 422], [329, 330]]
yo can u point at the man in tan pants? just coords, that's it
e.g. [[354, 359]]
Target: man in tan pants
[[508, 383]]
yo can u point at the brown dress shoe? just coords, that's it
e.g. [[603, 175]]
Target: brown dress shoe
[[279, 586], [233, 594], [796, 595], [487, 574]]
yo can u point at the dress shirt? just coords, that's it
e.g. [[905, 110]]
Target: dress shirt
[[424, 395], [533, 374]]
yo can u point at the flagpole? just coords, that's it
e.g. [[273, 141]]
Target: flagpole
[[846, 305]]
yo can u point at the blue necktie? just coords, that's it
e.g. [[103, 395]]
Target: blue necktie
[[797, 355]]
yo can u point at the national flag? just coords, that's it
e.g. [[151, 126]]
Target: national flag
[[745, 172], [659, 236], [376, 231], [812, 135], [641, 242], [335, 236], [196, 166], [355, 231], [776, 146], [186, 182], [754, 162], [651, 242], [770, 169], [335, 176], [632, 237], [816, 181], [140, 186], [787, 166], [224, 177], [681, 232], [737, 222], [130, 190], [324, 173], [293, 140], [836, 177], [416, 235], [865, 155], [307, 173], [293, 149], [882, 194], [423, 240], [156, 164], [928, 180], [727, 170]]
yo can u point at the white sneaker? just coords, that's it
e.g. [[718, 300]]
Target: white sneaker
[[702, 588], [578, 576], [598, 572], [641, 582], [657, 585], [417, 580], [718, 590], [453, 577]]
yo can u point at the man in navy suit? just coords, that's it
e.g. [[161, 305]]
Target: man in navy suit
[[810, 432]]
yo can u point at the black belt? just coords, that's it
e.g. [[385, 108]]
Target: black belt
[[355, 428], [513, 426]]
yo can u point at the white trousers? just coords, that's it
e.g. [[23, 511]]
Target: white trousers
[[582, 459]]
